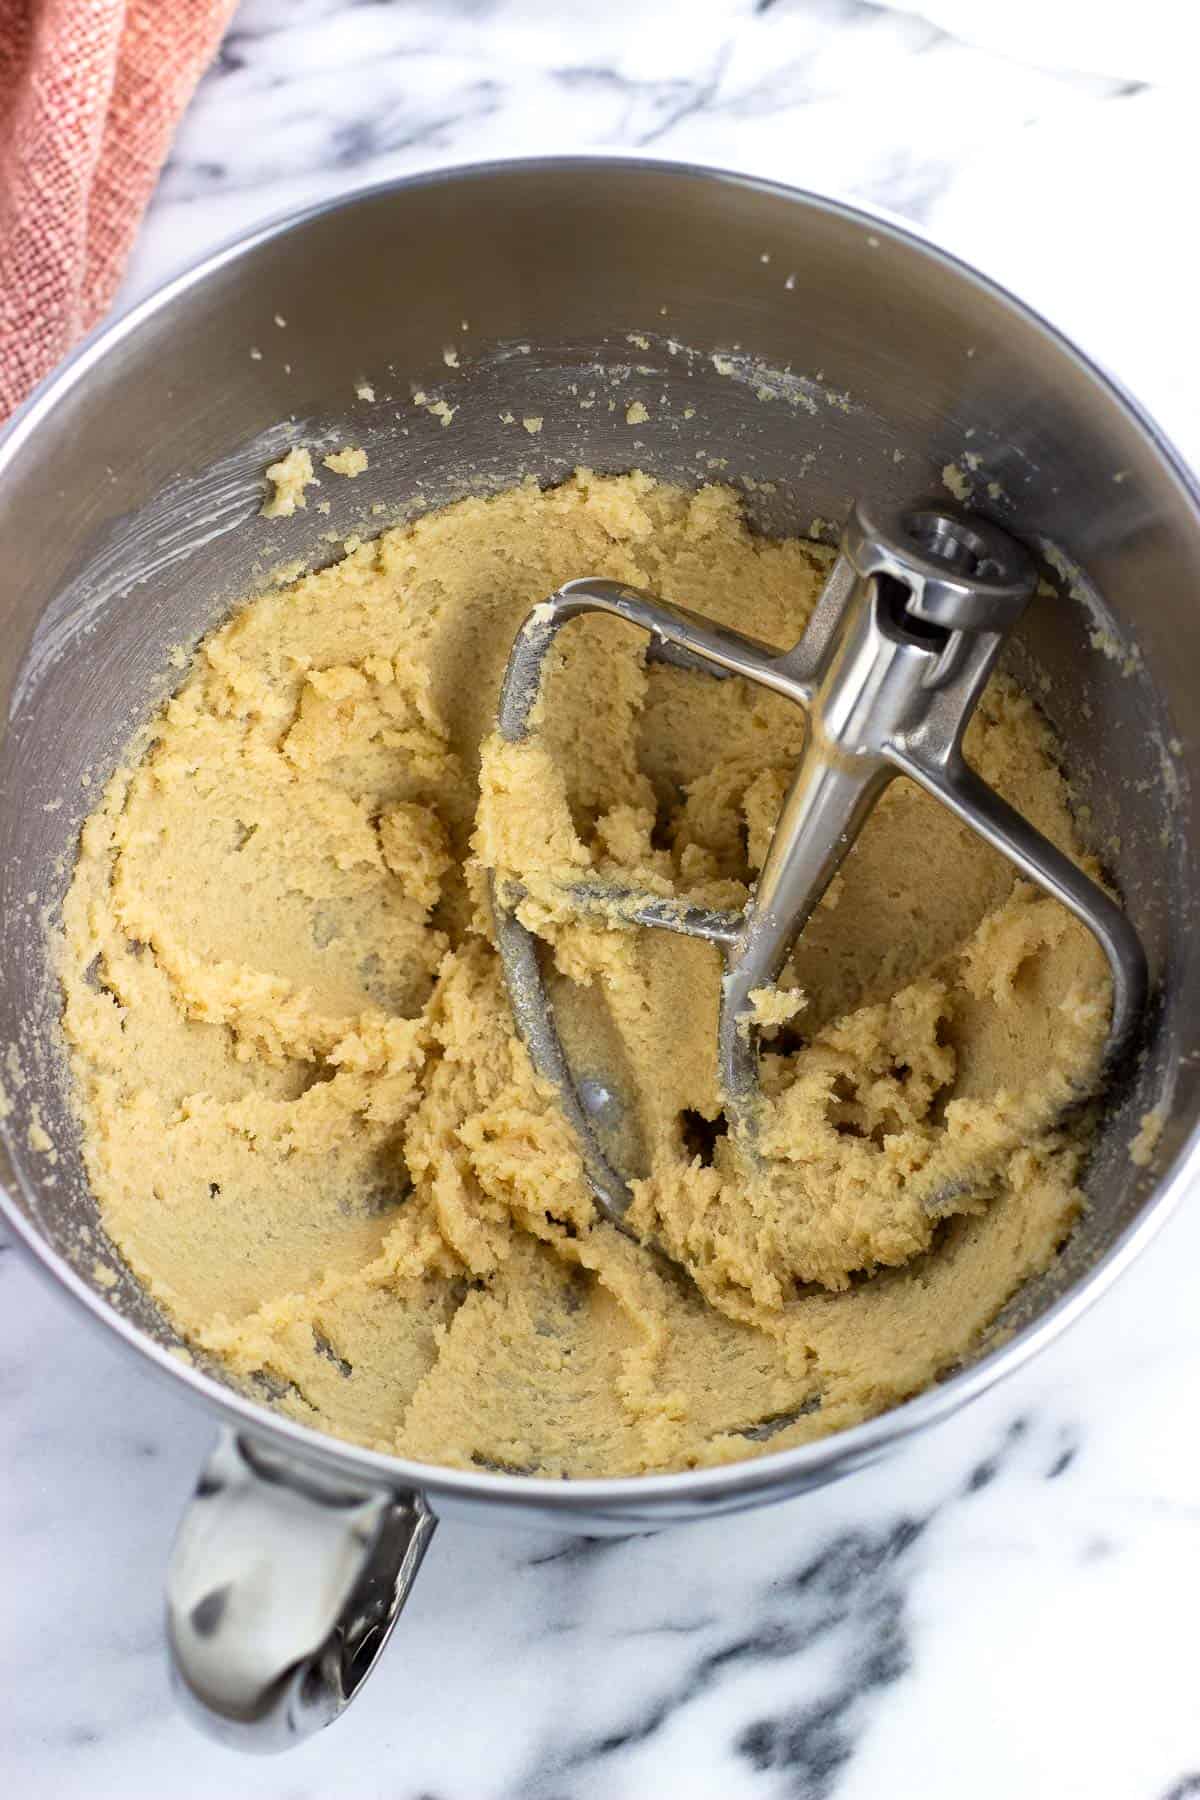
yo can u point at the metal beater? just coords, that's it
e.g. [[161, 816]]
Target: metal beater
[[897, 653]]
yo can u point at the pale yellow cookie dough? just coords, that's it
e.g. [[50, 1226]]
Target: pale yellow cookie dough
[[348, 461], [288, 478], [309, 1125]]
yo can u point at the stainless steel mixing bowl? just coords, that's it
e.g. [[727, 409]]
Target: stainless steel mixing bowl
[[824, 354]]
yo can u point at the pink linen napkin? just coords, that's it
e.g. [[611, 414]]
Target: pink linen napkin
[[90, 94]]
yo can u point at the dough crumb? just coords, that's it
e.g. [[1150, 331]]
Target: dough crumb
[[289, 478], [1141, 1150], [636, 414], [285, 573], [365, 391], [450, 357], [533, 424], [346, 462], [1128, 658], [440, 409], [954, 479]]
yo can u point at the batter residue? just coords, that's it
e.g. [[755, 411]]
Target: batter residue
[[310, 1127]]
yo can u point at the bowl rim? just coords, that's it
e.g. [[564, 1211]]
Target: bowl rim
[[721, 1486]]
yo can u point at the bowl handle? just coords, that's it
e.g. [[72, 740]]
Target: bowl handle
[[283, 1588]]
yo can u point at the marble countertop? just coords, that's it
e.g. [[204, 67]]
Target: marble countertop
[[1006, 1608]]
